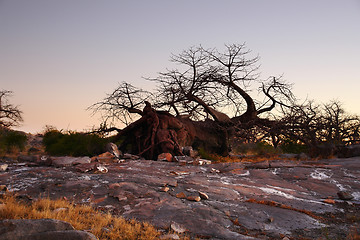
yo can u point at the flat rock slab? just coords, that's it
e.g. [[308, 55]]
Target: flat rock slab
[[45, 229], [265, 200]]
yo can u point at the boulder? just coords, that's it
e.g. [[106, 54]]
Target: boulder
[[44, 229]]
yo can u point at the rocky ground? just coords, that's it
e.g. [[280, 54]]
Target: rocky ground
[[267, 200]]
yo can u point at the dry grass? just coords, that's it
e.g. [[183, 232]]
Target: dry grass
[[246, 158], [82, 217]]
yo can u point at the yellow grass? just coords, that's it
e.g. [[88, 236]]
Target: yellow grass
[[251, 158], [82, 217]]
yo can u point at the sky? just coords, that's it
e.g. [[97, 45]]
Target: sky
[[60, 57]]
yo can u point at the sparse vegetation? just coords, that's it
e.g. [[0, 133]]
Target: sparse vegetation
[[73, 143], [82, 217], [11, 141], [289, 146]]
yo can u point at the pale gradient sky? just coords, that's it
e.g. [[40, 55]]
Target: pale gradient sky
[[59, 57]]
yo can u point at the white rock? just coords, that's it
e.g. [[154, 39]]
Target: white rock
[[177, 227], [3, 167]]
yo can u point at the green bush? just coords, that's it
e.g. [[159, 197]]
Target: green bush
[[73, 143], [12, 140], [289, 146], [204, 154], [258, 148]]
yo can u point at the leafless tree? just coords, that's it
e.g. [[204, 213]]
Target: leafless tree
[[124, 104], [10, 115], [315, 124], [208, 96], [218, 85]]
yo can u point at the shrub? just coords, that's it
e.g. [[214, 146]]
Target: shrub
[[258, 148], [12, 140], [73, 143], [289, 146]]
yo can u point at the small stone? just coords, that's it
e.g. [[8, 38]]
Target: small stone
[[329, 201], [286, 238], [165, 157], [181, 195], [213, 170], [270, 220], [343, 195], [3, 167], [165, 189], [203, 162], [170, 236], [203, 195], [177, 227], [100, 168], [194, 198]]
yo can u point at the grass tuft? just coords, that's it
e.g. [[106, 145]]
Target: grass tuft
[[82, 217]]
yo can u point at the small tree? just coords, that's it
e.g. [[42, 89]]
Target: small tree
[[10, 115]]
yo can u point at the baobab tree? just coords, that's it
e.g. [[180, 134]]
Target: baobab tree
[[205, 101]]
